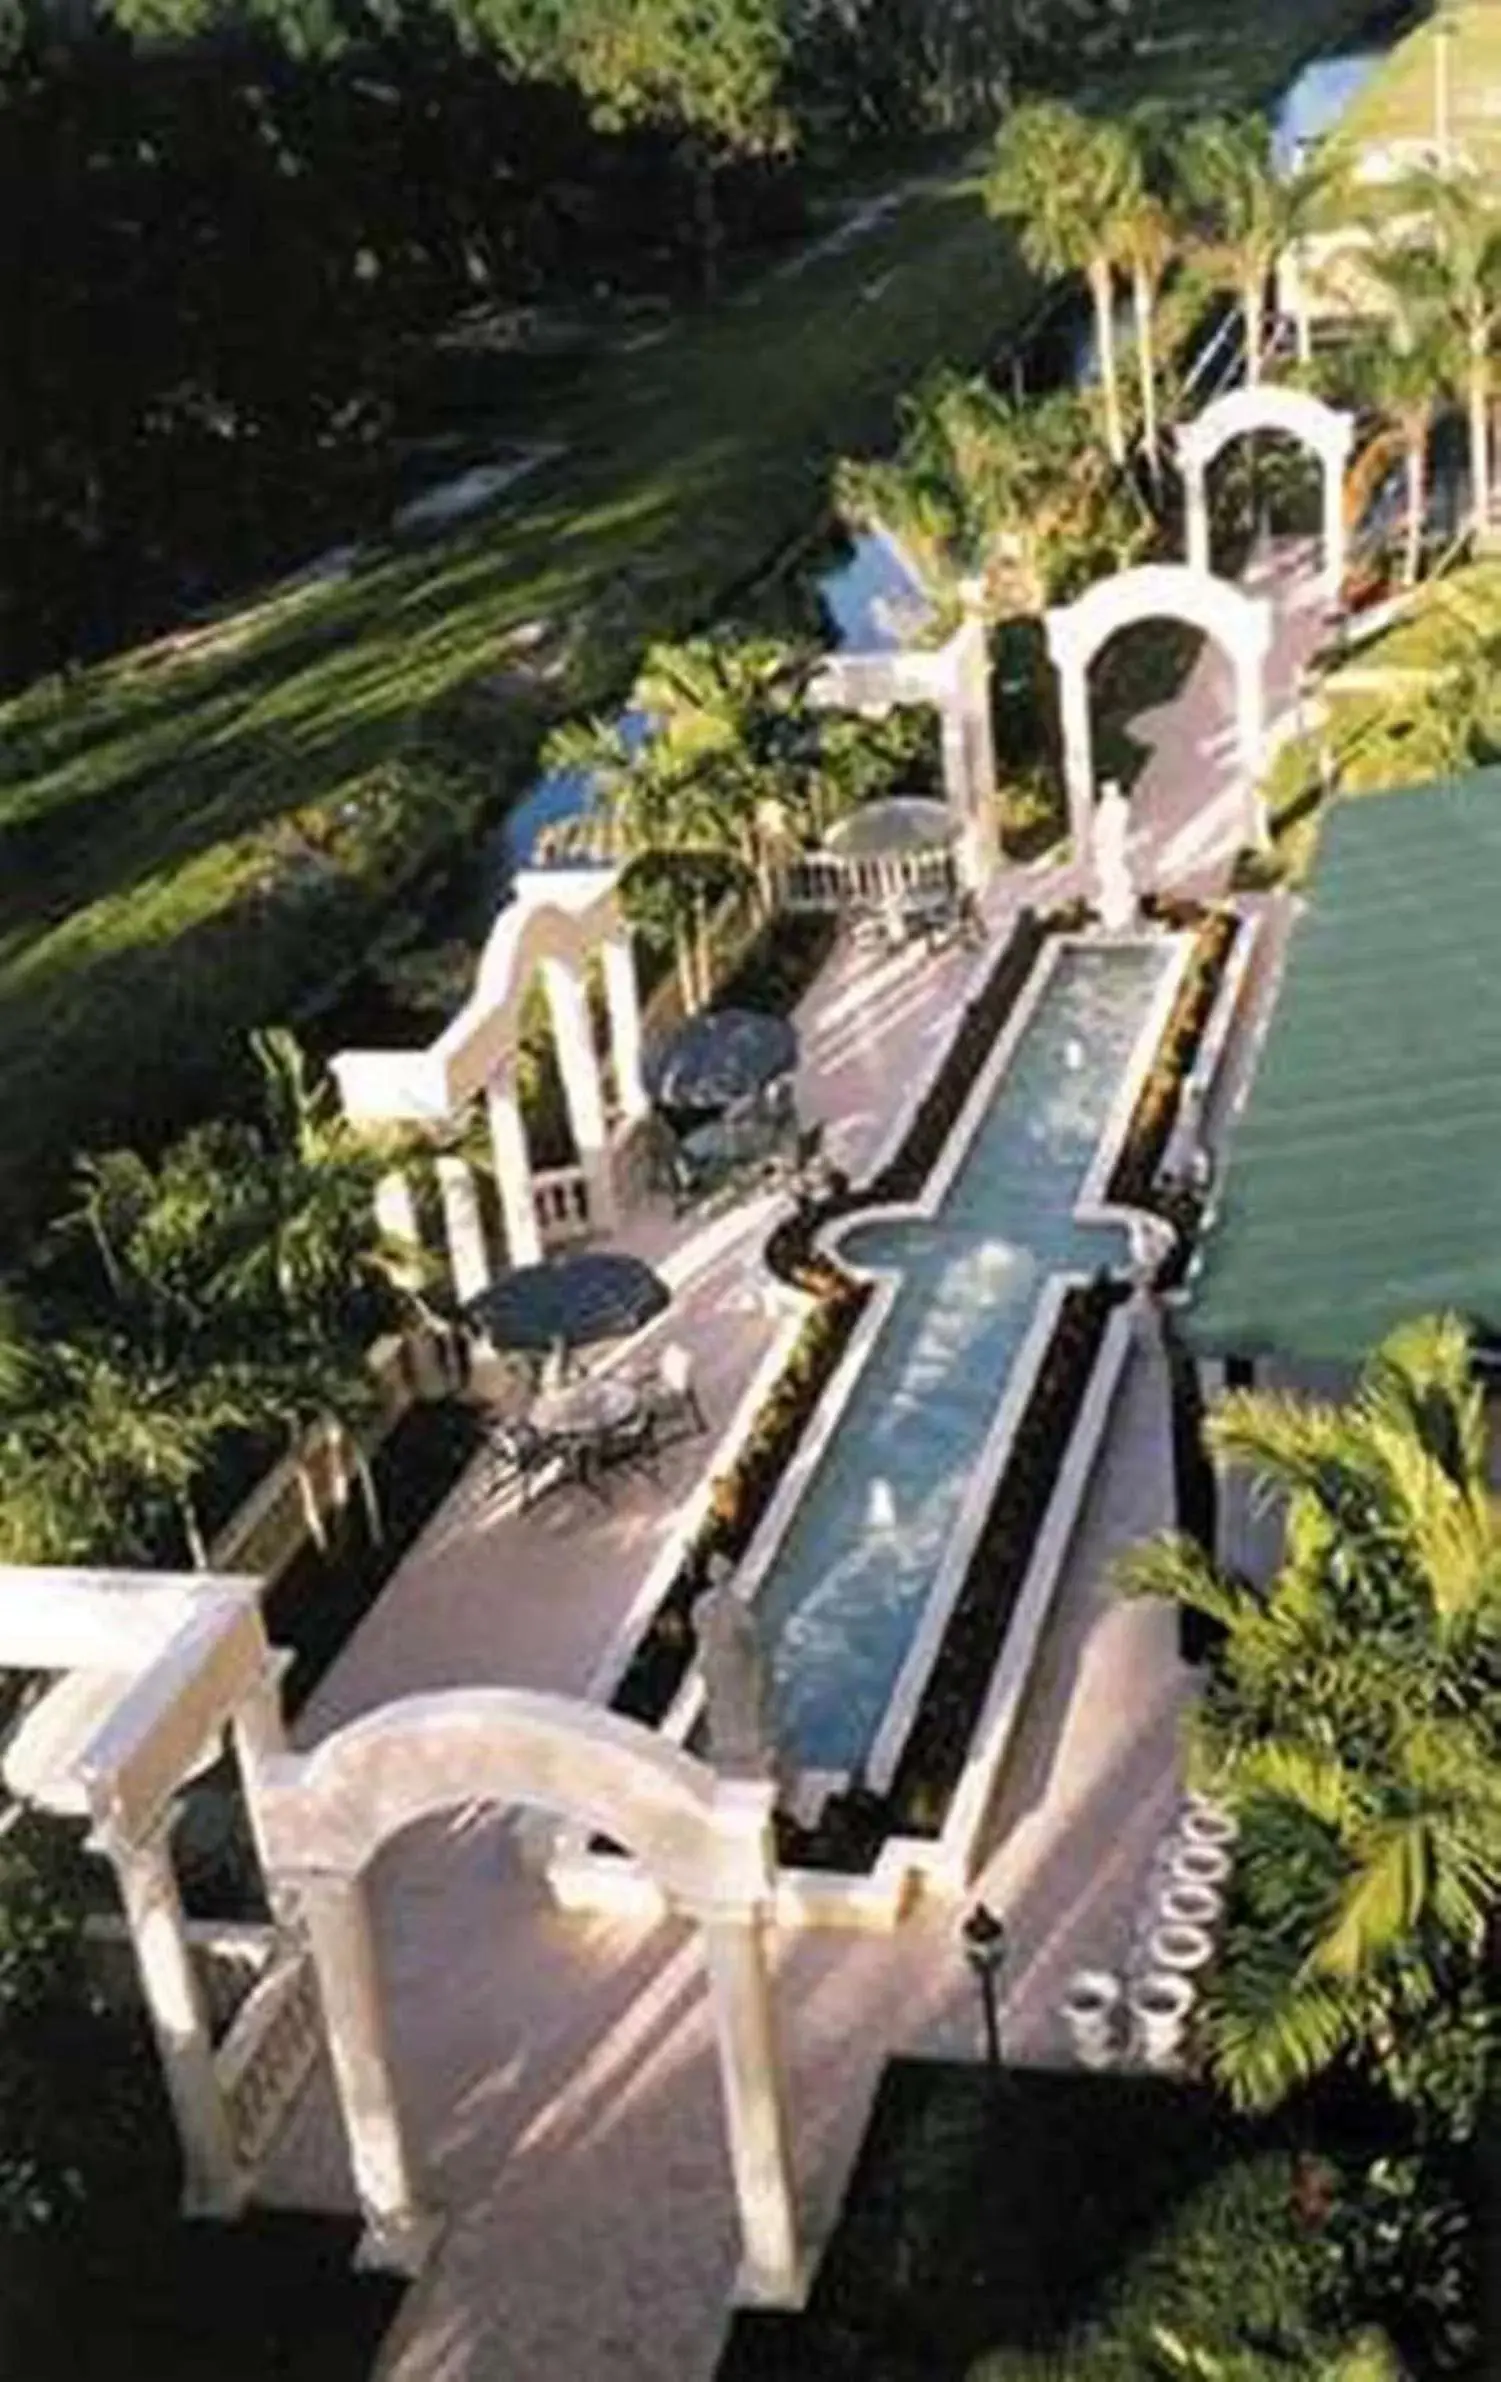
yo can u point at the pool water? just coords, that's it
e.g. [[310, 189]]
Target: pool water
[[876, 606], [847, 1586]]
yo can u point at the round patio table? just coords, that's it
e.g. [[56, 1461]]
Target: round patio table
[[721, 1056], [584, 1409]]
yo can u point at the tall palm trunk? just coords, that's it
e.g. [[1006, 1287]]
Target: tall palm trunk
[[1102, 290], [1252, 306], [1146, 362], [1415, 430], [1480, 450]]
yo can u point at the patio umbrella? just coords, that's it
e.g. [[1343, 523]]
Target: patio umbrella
[[723, 1055], [599, 1295], [897, 824]]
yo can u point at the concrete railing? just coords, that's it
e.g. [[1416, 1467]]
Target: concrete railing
[[264, 2061], [826, 881]]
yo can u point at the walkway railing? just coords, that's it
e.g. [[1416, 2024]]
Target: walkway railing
[[826, 881]]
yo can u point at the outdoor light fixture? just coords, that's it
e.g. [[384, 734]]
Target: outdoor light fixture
[[984, 1941]]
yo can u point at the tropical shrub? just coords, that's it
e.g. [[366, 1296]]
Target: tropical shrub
[[1352, 1720], [230, 1288]]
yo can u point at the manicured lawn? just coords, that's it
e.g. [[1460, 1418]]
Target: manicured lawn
[[1369, 758], [1399, 102], [193, 842]]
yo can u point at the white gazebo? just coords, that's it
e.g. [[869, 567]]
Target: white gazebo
[[556, 923]]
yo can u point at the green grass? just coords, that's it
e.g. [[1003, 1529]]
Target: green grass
[[1369, 757], [191, 844], [1399, 101]]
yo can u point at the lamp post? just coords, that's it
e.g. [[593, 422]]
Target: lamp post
[[1443, 34], [984, 1941]]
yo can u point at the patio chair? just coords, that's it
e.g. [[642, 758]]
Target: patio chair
[[686, 1182], [779, 1101], [633, 1441], [519, 1451], [669, 1396]]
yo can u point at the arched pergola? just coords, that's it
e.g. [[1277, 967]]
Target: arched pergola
[[1329, 433], [322, 1816], [1240, 624]]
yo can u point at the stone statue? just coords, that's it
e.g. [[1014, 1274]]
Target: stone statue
[[1115, 889], [733, 1663]]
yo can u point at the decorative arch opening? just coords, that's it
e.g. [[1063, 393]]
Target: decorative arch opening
[[1293, 413], [1239, 624], [707, 1841]]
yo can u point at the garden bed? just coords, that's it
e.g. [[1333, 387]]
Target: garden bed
[[1069, 2223]]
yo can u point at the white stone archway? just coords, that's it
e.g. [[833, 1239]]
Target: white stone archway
[[707, 1840], [1240, 624], [1329, 433], [554, 924]]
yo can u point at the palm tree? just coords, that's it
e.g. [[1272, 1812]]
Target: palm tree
[[1067, 181], [1451, 264], [1251, 211], [983, 487], [1352, 1720], [1406, 377]]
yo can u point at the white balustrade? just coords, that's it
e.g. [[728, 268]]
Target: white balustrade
[[561, 1203]]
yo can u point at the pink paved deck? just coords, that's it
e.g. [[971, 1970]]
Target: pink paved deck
[[557, 2070]]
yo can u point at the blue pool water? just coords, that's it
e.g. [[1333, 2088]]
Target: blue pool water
[[848, 1584], [876, 606]]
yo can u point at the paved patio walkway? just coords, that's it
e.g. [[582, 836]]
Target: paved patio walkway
[[557, 2070]]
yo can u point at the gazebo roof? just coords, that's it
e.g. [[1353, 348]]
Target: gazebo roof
[[1363, 1179]]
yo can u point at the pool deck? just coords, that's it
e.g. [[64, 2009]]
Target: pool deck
[[557, 2070]]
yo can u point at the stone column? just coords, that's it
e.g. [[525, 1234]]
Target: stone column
[[1196, 510], [623, 996], [399, 2231], [578, 1063], [396, 1214], [1334, 458], [772, 2271], [1249, 732], [463, 1227], [1078, 743], [212, 2182], [971, 646], [513, 1175], [259, 1734]]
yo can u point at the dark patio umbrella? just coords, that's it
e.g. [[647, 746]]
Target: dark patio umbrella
[[724, 1055], [897, 824], [600, 1295]]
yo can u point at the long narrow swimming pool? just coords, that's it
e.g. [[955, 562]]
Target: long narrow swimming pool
[[849, 1580]]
